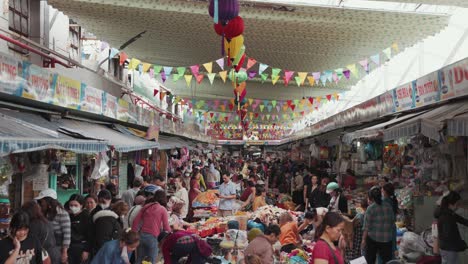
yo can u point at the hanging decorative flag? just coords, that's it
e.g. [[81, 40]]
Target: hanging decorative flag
[[122, 58], [329, 96], [211, 77], [375, 58], [162, 95], [157, 69], [273, 103], [265, 102], [113, 52], [176, 77], [311, 80], [188, 79], [298, 81], [337, 96], [311, 100], [163, 77], [208, 66], [155, 92], [268, 117], [264, 77], [395, 47], [167, 70], [220, 62], [339, 73], [302, 77], [252, 74], [352, 68], [269, 107], [223, 107], [275, 72], [287, 77], [365, 64], [335, 77], [318, 99], [278, 108], [181, 71], [151, 72], [388, 52], [293, 107], [262, 67], [195, 69], [329, 75], [199, 78], [133, 64], [251, 62], [223, 75], [262, 107], [317, 76], [347, 74], [274, 79]]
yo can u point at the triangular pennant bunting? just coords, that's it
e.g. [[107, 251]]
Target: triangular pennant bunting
[[220, 62], [208, 66], [188, 79], [211, 77], [261, 68], [251, 62], [223, 75], [195, 69]]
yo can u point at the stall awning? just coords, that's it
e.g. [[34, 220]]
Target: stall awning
[[17, 135], [377, 130], [428, 124], [121, 142], [168, 142], [458, 126]]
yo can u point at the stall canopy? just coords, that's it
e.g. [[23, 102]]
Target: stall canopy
[[377, 130], [121, 142], [18, 135], [168, 142], [428, 124], [458, 126]]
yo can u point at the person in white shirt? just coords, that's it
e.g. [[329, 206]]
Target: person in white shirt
[[129, 195], [213, 177], [182, 194]]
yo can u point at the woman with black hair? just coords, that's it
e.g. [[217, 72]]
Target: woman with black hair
[[329, 232], [42, 229], [379, 222], [118, 251], [20, 247], [80, 225], [449, 236], [58, 216], [388, 192]]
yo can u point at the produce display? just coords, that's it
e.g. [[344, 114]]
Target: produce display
[[206, 199]]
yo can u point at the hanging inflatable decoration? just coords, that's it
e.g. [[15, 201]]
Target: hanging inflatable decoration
[[232, 29], [223, 10], [239, 77], [233, 46], [240, 63]]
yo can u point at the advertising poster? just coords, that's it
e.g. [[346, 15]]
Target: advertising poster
[[109, 103], [67, 91], [122, 110], [403, 97], [426, 90], [453, 80], [91, 99], [38, 83], [10, 75]]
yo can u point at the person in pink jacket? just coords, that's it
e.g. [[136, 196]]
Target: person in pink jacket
[[150, 222]]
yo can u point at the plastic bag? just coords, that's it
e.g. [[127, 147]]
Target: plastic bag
[[234, 239], [412, 242]]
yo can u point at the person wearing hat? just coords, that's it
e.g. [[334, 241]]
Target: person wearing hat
[[60, 219], [180, 244], [337, 202]]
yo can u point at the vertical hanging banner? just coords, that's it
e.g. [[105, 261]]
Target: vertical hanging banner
[[91, 99], [122, 110], [67, 91], [403, 97], [109, 103], [38, 83], [426, 90], [9, 79], [453, 80]]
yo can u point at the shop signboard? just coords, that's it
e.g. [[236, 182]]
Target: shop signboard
[[403, 97], [386, 104], [109, 103], [67, 91], [10, 76], [91, 99], [453, 80], [37, 83], [122, 110], [426, 90]]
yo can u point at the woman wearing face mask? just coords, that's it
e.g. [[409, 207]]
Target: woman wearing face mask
[[80, 224], [450, 241], [118, 251], [329, 232], [20, 247]]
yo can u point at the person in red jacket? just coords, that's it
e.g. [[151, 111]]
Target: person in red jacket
[[180, 244]]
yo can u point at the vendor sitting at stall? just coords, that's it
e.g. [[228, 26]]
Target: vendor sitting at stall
[[289, 237], [180, 244], [259, 200]]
